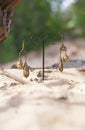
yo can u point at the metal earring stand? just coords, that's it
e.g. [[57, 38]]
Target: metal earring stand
[[43, 59], [43, 56], [44, 39]]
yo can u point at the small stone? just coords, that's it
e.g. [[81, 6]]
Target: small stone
[[39, 74]]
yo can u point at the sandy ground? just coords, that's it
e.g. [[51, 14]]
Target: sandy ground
[[58, 103]]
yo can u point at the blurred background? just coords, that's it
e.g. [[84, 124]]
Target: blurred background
[[40, 17]]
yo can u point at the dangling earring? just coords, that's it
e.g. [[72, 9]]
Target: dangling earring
[[20, 64], [25, 68], [65, 57]]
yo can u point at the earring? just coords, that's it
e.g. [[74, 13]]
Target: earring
[[20, 64], [25, 68], [65, 58]]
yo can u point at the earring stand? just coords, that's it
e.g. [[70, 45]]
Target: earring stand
[[36, 40], [43, 59]]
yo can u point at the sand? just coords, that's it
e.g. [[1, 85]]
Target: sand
[[57, 103]]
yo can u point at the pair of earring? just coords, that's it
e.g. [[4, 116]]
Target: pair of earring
[[63, 58], [20, 64]]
